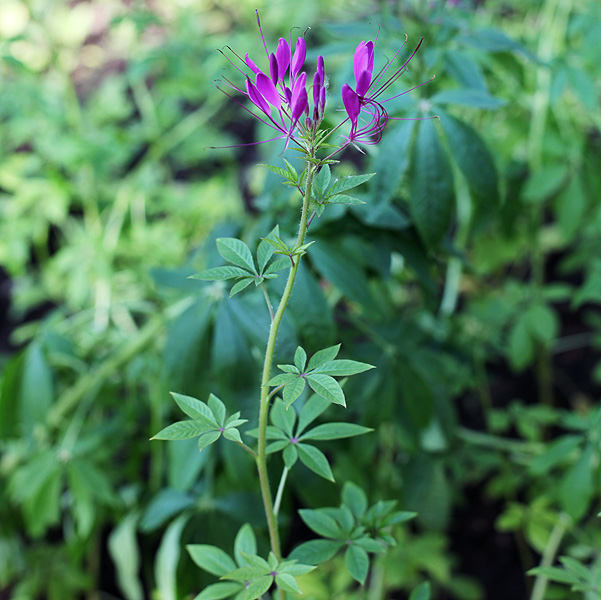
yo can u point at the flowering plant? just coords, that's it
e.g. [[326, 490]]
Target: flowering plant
[[278, 96]]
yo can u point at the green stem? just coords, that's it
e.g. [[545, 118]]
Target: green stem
[[280, 492], [265, 397], [267, 300]]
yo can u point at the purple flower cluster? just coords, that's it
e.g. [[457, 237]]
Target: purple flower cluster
[[281, 96], [280, 92]]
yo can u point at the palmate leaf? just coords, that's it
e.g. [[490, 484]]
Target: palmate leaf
[[240, 285], [287, 583], [316, 551], [357, 563], [212, 559], [219, 591], [192, 407], [321, 523], [293, 390], [323, 356], [208, 438], [345, 199], [265, 250], [245, 543], [347, 183], [300, 359], [315, 406], [236, 252]]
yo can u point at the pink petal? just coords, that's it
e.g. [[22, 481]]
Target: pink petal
[[256, 98], [283, 55], [298, 60], [351, 103], [273, 68], [268, 90], [251, 65]]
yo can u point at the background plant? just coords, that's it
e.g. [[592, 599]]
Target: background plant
[[469, 336]]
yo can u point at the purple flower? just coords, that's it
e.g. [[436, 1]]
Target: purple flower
[[363, 102], [280, 91]]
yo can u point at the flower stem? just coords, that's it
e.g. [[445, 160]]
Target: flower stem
[[265, 396], [280, 492]]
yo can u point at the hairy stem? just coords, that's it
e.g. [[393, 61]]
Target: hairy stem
[[280, 492], [265, 396]]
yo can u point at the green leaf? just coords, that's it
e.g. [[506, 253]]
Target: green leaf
[[194, 408], [347, 183], [282, 418], [265, 250], [465, 70], [315, 460], [345, 199], [357, 563], [473, 159], [293, 390], [290, 455], [431, 200], [277, 265], [577, 488], [256, 588], [321, 182], [354, 497], [370, 545], [232, 434], [277, 170], [555, 574], [289, 369], [220, 274], [246, 543], [212, 559], [167, 559], [241, 285], [124, 550], [323, 356], [236, 252], [219, 591], [316, 551], [335, 431], [343, 368], [556, 452], [320, 522], [208, 438], [300, 359], [326, 386], [287, 583], [281, 379], [421, 592], [183, 430], [466, 97], [576, 567], [217, 408], [37, 388], [313, 408], [521, 347]]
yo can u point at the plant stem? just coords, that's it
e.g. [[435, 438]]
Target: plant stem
[[280, 492], [267, 300], [265, 397], [557, 533]]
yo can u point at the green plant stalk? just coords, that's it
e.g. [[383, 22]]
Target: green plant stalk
[[265, 397]]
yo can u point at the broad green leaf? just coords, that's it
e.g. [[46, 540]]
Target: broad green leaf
[[300, 359], [357, 563], [219, 591], [320, 522], [212, 559], [166, 504], [294, 568], [431, 192], [335, 431], [282, 418], [370, 545], [276, 446], [194, 408], [241, 285], [465, 70], [124, 550], [577, 488], [277, 170], [315, 551], [250, 571], [207, 439], [466, 97], [277, 265], [246, 543], [183, 430], [293, 390], [236, 252], [326, 386], [556, 452], [421, 592], [167, 559], [37, 388], [217, 408], [323, 356], [343, 368], [474, 159], [555, 574], [521, 347], [220, 273], [542, 323], [28, 479], [265, 250], [576, 567], [347, 183], [289, 369], [287, 583], [321, 182], [354, 497], [313, 408], [315, 460]]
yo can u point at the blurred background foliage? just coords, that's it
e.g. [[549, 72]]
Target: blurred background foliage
[[472, 279]]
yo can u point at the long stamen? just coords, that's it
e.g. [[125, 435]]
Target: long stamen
[[261, 32], [381, 74], [410, 89], [386, 85]]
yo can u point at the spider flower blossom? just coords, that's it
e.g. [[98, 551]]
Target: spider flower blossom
[[279, 93], [363, 102]]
